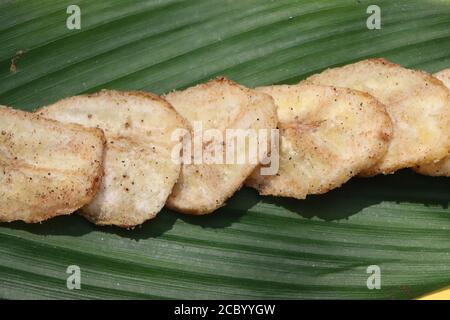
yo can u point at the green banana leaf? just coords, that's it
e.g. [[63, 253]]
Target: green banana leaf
[[254, 247]]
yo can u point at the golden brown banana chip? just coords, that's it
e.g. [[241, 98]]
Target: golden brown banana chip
[[139, 170], [218, 105], [328, 135], [46, 168], [440, 168], [417, 103]]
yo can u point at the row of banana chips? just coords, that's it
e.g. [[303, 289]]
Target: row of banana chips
[[118, 158]]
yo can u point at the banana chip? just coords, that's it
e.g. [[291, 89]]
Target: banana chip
[[328, 135], [47, 168], [139, 170], [418, 104], [218, 106], [440, 168]]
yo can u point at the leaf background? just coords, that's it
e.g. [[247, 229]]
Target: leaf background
[[255, 247]]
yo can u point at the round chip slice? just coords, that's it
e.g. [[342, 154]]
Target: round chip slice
[[418, 104], [139, 170], [440, 168], [219, 105], [328, 135], [47, 168]]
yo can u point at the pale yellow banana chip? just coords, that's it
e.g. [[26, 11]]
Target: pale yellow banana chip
[[47, 168], [440, 168], [218, 104], [418, 104], [139, 170], [328, 135]]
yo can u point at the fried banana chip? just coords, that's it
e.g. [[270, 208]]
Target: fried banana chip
[[440, 168], [328, 135], [47, 168], [417, 103], [139, 170], [220, 105]]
